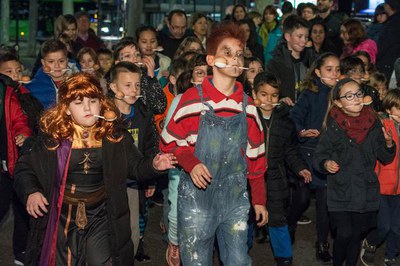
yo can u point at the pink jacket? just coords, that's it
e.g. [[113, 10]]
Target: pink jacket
[[368, 46]]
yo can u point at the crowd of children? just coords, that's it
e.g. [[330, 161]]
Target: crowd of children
[[236, 124]]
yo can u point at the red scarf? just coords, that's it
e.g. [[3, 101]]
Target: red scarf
[[356, 128]]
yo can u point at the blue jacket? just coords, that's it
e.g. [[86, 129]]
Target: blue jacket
[[43, 88], [274, 37], [309, 113]]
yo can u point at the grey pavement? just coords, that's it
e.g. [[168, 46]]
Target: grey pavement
[[261, 254]]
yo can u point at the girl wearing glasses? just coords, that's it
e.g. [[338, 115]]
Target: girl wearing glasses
[[351, 142]]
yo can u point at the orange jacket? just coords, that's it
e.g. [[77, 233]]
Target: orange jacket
[[388, 175], [160, 118]]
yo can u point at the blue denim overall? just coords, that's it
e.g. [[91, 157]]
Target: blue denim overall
[[223, 207]]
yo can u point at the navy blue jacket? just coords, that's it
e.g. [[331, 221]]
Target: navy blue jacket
[[309, 113], [43, 88]]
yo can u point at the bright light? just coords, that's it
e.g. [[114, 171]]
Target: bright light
[[22, 33], [121, 29], [105, 29]]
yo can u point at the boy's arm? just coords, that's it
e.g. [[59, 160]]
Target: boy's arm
[[177, 134], [256, 159]]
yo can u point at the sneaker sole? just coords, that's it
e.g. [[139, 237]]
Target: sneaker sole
[[303, 223], [17, 262], [362, 252]]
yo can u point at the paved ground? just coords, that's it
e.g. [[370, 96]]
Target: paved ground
[[304, 252]]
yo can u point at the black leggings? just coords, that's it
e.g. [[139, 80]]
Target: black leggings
[[350, 227], [300, 200], [322, 214]]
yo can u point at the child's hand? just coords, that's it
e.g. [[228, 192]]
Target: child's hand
[[287, 100], [164, 161], [306, 174], [309, 133], [388, 137], [200, 176], [149, 192], [36, 204], [331, 166], [19, 140], [150, 65], [261, 215]]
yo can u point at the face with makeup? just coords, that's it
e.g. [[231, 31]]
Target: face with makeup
[[230, 51]]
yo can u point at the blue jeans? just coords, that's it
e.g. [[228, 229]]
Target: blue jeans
[[388, 225], [173, 176]]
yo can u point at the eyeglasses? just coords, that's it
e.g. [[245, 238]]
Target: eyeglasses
[[200, 73], [129, 56], [350, 96]]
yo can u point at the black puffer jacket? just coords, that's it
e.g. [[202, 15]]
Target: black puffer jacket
[[355, 186], [36, 170], [281, 152]]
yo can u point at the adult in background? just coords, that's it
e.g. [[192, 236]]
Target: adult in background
[[86, 36], [332, 23], [239, 12], [171, 36], [253, 48], [380, 17], [270, 31], [389, 42], [199, 26], [354, 37]]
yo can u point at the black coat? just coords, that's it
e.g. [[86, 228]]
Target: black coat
[[282, 65], [389, 45], [355, 186], [281, 151], [36, 170]]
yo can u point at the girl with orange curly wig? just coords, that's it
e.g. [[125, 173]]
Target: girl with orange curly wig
[[73, 180]]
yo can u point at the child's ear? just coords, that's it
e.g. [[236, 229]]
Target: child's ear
[[317, 72], [42, 60], [113, 87], [286, 36], [68, 112], [210, 59]]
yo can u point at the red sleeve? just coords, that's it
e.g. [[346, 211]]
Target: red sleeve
[[19, 121], [258, 195]]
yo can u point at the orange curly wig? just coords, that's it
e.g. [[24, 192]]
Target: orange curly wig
[[57, 125]]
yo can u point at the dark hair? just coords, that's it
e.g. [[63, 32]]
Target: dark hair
[[236, 7], [197, 60], [272, 10], [177, 66], [253, 38], [294, 22], [123, 67], [9, 49], [87, 50], [178, 12], [299, 9], [70, 19], [222, 31], [266, 78], [80, 14], [287, 7], [392, 99], [6, 57], [380, 9], [195, 17], [104, 51], [124, 42], [309, 83], [144, 28], [349, 63], [339, 86], [52, 46], [310, 6], [184, 81], [355, 30], [325, 29]]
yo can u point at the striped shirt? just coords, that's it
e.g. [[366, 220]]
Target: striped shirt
[[180, 135]]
